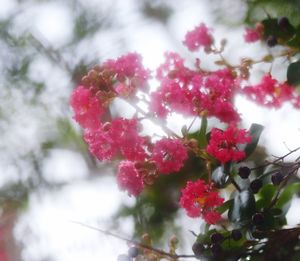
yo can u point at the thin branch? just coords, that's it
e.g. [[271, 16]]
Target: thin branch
[[278, 159], [141, 245]]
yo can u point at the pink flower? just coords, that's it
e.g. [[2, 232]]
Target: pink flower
[[214, 95], [189, 92], [198, 37], [296, 101], [223, 144], [86, 107], [125, 136], [129, 72], [269, 92], [254, 34], [251, 35], [200, 200], [128, 178], [212, 217], [120, 136], [169, 155], [101, 144]]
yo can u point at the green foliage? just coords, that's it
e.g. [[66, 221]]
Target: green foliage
[[271, 27], [255, 132], [242, 209], [284, 200], [202, 133], [293, 73], [259, 9]]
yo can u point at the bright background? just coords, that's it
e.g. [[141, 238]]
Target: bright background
[[44, 165]]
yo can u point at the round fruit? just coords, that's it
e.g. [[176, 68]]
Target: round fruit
[[236, 234], [216, 238], [244, 172], [271, 41], [256, 185], [258, 219], [277, 178], [133, 252], [216, 249], [198, 249], [283, 22]]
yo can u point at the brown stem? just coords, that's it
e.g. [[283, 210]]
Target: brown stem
[[278, 159]]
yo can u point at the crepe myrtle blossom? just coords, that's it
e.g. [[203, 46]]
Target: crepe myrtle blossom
[[200, 200], [252, 35], [86, 107], [223, 144], [129, 72], [200, 36], [120, 136], [191, 92], [269, 92], [129, 179], [169, 155]]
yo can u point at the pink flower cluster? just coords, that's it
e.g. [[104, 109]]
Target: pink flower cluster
[[128, 72], [193, 92], [270, 93], [223, 144], [254, 34], [200, 200], [87, 108], [198, 37], [129, 178], [119, 136], [169, 155]]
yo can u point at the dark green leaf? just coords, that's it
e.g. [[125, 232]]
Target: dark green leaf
[[255, 132], [266, 194], [243, 208], [271, 28], [284, 200], [276, 211], [202, 133], [295, 40], [293, 73], [225, 206]]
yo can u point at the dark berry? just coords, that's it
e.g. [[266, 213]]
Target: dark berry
[[216, 249], [133, 252], [277, 178], [271, 41], [283, 22], [256, 185], [258, 219], [198, 249], [123, 258], [236, 234], [216, 238], [244, 172]]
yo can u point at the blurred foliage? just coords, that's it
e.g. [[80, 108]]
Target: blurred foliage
[[258, 9]]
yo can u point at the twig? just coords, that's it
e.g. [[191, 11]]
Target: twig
[[278, 159], [141, 245]]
